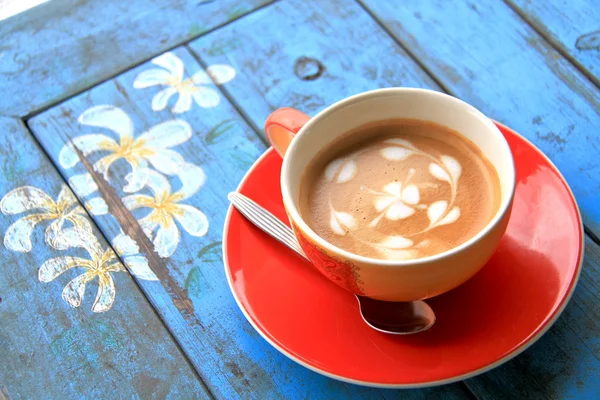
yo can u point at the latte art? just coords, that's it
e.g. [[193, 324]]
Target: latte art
[[400, 190]]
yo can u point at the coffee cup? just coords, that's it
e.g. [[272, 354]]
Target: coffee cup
[[299, 139]]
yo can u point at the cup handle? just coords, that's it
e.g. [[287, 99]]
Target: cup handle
[[282, 125]]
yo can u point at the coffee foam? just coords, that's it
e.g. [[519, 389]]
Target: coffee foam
[[399, 189]]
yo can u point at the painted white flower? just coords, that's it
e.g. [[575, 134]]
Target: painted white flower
[[29, 198], [171, 75], [136, 263], [101, 264], [153, 146], [397, 201], [166, 209]]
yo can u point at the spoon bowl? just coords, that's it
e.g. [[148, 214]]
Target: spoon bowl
[[394, 318]]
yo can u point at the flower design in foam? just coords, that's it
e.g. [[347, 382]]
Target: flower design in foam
[[398, 200]]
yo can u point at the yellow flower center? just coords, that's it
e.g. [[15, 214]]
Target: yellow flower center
[[185, 86], [165, 206], [132, 150], [103, 264]]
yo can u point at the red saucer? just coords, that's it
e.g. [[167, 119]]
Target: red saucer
[[493, 317]]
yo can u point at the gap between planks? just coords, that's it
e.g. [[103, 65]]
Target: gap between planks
[[560, 49], [109, 244], [257, 130]]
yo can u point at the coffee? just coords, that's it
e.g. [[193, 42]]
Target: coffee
[[399, 190]]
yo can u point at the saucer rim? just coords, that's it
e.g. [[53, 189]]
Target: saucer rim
[[541, 329]]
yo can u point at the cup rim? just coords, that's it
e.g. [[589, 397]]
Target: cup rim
[[299, 222]]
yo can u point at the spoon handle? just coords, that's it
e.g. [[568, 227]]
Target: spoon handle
[[266, 221]]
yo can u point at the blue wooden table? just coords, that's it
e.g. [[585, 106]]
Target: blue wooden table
[[169, 97]]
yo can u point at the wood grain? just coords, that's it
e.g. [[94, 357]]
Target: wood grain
[[50, 350], [62, 47], [571, 26], [504, 68], [233, 359]]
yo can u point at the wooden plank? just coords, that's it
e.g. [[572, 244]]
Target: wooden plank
[[565, 362], [572, 26], [195, 302], [62, 47], [270, 82], [330, 50], [504, 68], [49, 349]]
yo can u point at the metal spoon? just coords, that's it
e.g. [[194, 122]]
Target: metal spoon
[[396, 318]]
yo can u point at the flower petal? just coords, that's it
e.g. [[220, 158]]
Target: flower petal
[[167, 239], [201, 78], [167, 161], [396, 153], [97, 206], [25, 198], [438, 172], [136, 179], [86, 144], [83, 238], [451, 217], [148, 224], [102, 165], [172, 63], [54, 235], [399, 210], [125, 245], [18, 235], [410, 194], [56, 266], [109, 117], [75, 290], [183, 104], [394, 188], [106, 294], [399, 254], [453, 167], [343, 222], [221, 73], [396, 242], [436, 210], [80, 221], [192, 178], [383, 202], [192, 220], [167, 134], [160, 99], [135, 201], [83, 184], [206, 97], [400, 142], [151, 77], [158, 183], [341, 170], [138, 266]]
